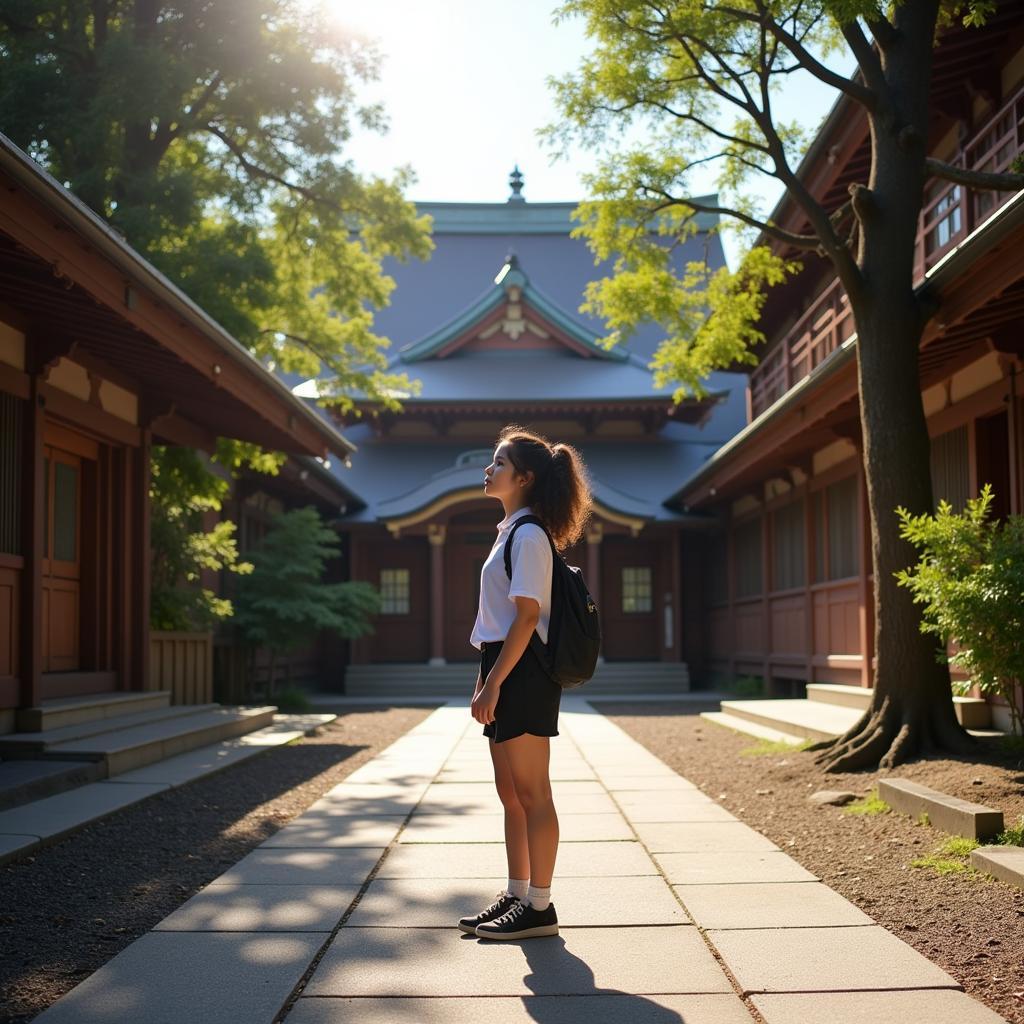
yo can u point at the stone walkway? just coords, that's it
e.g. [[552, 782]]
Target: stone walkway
[[671, 909]]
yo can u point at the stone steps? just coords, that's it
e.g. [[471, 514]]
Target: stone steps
[[53, 714], [744, 725], [810, 719], [972, 712], [457, 680], [40, 764]]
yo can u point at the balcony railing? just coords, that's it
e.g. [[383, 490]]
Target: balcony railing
[[950, 213]]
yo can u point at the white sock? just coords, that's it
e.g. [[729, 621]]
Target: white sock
[[518, 887], [539, 898]]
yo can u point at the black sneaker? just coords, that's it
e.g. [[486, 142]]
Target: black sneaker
[[502, 903], [520, 922]]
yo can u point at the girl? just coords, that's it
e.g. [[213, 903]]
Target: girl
[[515, 700]]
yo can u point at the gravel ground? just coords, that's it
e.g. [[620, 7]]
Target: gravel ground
[[969, 924], [71, 907]]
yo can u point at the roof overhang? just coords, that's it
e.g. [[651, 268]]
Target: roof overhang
[[93, 296]]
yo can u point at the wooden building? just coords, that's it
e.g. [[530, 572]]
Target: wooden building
[[100, 357], [490, 328], [786, 589]]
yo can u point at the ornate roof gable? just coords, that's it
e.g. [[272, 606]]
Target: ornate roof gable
[[512, 315]]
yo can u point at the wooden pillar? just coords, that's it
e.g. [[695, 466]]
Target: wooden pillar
[[436, 537], [672, 646], [595, 534], [141, 561], [766, 586], [33, 527]]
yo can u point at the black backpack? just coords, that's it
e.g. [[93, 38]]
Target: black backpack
[[574, 633]]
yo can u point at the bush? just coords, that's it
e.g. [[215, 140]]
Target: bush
[[970, 580]]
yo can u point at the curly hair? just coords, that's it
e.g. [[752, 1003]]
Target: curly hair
[[560, 494]]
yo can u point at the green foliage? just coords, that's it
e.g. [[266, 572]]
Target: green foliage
[[970, 582], [292, 700], [212, 136], [764, 748], [870, 804], [284, 603], [182, 490], [746, 686], [671, 89], [1012, 836], [924, 819], [951, 857]]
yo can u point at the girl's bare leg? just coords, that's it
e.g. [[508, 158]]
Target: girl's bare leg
[[516, 848], [528, 758]]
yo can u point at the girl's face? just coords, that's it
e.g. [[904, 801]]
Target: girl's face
[[501, 478]]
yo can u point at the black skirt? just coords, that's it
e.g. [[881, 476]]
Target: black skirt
[[528, 700]]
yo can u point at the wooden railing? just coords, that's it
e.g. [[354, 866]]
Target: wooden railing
[[950, 213], [807, 344], [183, 664]]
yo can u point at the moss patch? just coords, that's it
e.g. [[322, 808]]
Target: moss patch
[[870, 804]]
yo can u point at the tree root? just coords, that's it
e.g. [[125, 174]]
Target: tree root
[[885, 738]]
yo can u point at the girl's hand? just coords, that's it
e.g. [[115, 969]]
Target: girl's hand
[[484, 702]]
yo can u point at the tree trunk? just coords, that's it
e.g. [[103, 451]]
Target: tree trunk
[[911, 710]]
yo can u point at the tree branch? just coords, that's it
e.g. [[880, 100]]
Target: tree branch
[[974, 179], [867, 60], [809, 243]]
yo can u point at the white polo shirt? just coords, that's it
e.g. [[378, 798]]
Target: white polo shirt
[[532, 565]]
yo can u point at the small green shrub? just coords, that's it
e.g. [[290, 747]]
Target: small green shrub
[[291, 700], [1012, 836], [870, 804], [747, 686], [923, 819], [970, 579]]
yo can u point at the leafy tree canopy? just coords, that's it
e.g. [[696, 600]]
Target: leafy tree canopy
[[211, 133], [673, 86]]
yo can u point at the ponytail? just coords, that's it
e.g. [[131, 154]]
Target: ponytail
[[560, 495]]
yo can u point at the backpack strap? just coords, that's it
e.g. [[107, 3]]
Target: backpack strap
[[521, 521]]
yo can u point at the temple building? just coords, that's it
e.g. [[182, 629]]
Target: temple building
[[491, 327]]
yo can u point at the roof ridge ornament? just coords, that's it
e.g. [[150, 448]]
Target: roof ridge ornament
[[515, 180]]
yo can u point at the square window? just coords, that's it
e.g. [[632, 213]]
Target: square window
[[637, 589], [394, 592]]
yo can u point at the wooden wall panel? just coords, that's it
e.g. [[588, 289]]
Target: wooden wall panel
[[788, 624], [10, 583], [750, 624]]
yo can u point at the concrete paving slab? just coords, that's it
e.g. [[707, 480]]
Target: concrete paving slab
[[397, 773], [614, 1008], [825, 960], [769, 905], [439, 800], [927, 1006], [669, 810], [472, 789], [486, 774], [334, 830], [581, 902], [485, 828], [645, 783], [262, 908], [732, 868], [12, 847], [56, 815], [185, 978], [702, 837], [579, 961], [487, 860], [303, 867], [630, 799]]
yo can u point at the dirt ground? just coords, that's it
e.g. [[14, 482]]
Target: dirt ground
[[69, 908], [969, 924]]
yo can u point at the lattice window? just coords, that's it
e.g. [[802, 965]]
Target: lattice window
[[788, 559], [394, 592], [11, 418], [951, 475], [637, 589], [747, 546]]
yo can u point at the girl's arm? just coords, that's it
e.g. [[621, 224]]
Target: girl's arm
[[486, 698]]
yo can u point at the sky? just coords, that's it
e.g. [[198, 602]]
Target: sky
[[464, 86]]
